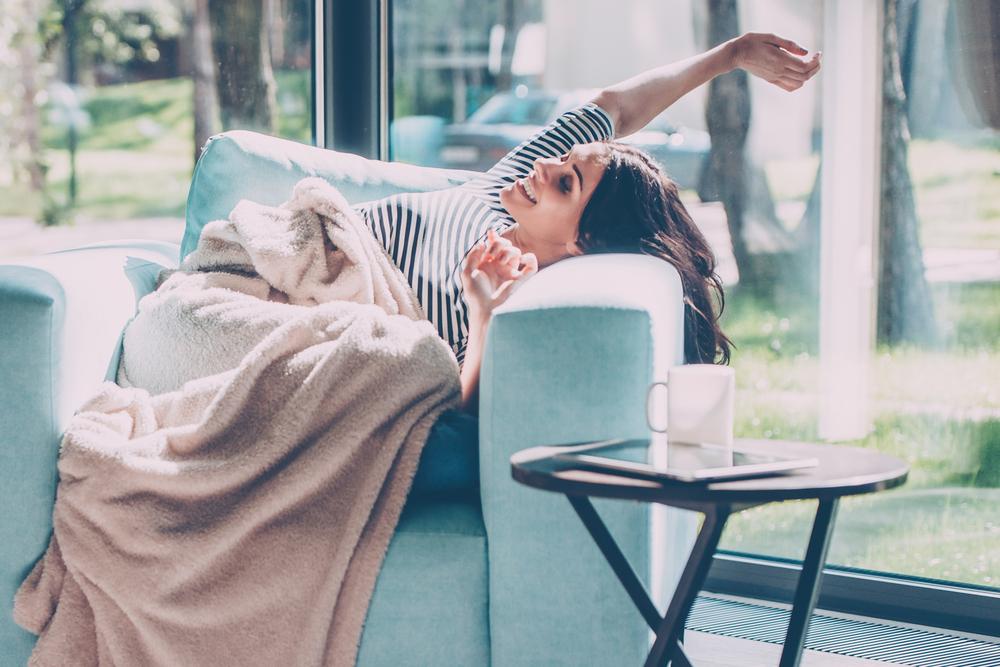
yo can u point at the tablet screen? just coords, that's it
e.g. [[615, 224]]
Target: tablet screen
[[681, 461]]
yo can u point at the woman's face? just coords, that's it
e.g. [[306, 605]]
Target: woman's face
[[547, 204]]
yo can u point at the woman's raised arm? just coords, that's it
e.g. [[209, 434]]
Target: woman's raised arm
[[636, 101]]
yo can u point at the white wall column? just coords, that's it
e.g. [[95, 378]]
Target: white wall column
[[852, 112]]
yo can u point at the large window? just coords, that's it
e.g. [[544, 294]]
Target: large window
[[863, 275], [930, 383], [104, 105]]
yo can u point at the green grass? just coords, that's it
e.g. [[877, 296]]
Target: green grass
[[949, 533], [135, 159], [938, 409], [956, 187]]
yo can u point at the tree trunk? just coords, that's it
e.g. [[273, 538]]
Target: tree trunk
[[274, 20], [728, 117], [246, 86], [29, 54], [71, 13], [905, 309], [206, 101]]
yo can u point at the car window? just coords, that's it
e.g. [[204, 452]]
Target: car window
[[531, 110], [661, 124]]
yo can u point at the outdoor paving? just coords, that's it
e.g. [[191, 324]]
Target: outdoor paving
[[23, 237]]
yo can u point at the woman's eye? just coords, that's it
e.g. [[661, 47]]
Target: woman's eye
[[565, 184]]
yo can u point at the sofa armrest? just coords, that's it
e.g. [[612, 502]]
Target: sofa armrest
[[62, 316], [569, 359]]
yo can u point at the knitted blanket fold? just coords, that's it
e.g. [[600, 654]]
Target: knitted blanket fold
[[237, 512]]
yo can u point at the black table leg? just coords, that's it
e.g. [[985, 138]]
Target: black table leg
[[692, 578], [619, 563], [668, 628], [678, 658], [807, 590]]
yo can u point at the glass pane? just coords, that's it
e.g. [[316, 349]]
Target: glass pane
[[934, 388], [474, 79], [104, 105]]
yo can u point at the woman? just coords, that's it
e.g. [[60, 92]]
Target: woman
[[570, 190]]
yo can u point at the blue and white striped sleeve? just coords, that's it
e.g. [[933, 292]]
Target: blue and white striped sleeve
[[578, 126]]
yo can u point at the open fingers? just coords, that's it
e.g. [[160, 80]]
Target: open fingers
[[496, 243], [796, 66], [802, 70], [529, 263], [509, 257], [473, 260], [786, 44], [507, 288], [787, 83]]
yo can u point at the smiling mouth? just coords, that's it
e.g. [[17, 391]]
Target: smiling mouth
[[525, 186]]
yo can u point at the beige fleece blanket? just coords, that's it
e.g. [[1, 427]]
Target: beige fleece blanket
[[238, 514]]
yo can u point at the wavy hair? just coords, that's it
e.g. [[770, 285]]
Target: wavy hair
[[635, 208]]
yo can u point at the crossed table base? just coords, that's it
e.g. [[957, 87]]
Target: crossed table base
[[841, 471]]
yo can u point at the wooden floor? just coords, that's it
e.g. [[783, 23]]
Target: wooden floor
[[707, 650]]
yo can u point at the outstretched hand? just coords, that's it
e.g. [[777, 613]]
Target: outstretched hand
[[491, 272], [776, 60]]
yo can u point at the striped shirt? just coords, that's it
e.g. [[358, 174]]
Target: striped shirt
[[428, 234]]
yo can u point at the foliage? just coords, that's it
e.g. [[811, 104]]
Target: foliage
[[937, 408], [135, 161], [22, 90], [115, 32]]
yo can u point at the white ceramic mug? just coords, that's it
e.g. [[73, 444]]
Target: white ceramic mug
[[700, 402]]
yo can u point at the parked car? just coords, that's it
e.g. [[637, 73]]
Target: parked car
[[509, 118]]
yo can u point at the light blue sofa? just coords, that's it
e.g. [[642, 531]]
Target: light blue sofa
[[481, 571]]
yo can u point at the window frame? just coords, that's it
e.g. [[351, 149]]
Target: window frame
[[354, 97], [938, 604], [353, 105]]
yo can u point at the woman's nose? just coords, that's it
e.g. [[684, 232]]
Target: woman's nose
[[544, 165]]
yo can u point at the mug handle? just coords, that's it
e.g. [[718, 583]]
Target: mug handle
[[649, 406]]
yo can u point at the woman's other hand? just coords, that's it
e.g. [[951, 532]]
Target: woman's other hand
[[775, 59], [491, 272]]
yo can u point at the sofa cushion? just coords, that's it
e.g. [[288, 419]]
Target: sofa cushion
[[143, 274], [430, 605]]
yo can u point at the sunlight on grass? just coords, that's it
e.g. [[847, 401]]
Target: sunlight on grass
[[956, 187], [938, 409], [943, 533], [136, 158], [792, 179]]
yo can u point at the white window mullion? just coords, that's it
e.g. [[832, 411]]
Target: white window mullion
[[852, 113]]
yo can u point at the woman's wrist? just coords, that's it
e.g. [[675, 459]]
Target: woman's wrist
[[479, 317], [731, 54]]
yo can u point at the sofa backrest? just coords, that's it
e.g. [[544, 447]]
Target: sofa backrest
[[246, 165]]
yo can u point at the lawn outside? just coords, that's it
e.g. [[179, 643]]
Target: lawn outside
[[937, 409]]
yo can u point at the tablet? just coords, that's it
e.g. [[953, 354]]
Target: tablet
[[679, 461]]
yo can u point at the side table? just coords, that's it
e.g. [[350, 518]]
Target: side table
[[842, 471]]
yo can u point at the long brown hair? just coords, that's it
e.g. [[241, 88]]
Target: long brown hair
[[636, 208]]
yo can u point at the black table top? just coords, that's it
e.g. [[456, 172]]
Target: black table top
[[842, 471]]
